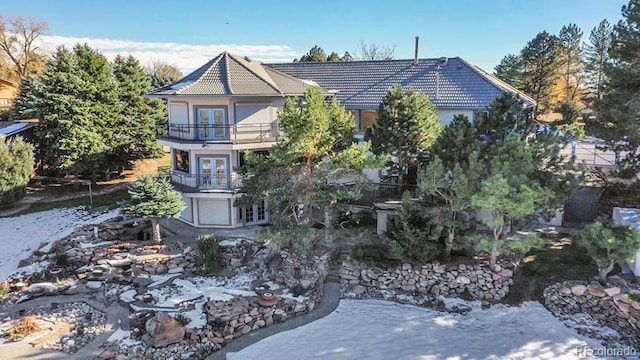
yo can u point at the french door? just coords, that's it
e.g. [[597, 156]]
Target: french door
[[212, 124], [213, 173]]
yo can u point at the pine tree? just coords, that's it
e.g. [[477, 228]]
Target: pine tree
[[619, 109], [154, 198], [570, 40], [315, 54], [510, 70], [407, 126], [541, 69], [137, 116], [608, 244], [303, 176], [16, 166], [457, 141], [597, 56], [28, 100]]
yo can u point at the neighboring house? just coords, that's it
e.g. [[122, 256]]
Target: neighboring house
[[230, 105], [8, 93], [11, 129], [225, 107]]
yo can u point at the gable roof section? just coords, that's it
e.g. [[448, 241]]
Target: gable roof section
[[228, 75], [450, 83]]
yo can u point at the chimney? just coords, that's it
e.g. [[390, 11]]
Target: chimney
[[415, 59]]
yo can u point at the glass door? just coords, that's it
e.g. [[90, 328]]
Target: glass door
[[212, 124], [213, 173]]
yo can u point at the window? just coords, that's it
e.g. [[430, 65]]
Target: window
[[181, 159], [367, 119], [4, 101]]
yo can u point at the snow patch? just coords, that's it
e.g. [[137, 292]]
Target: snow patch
[[358, 327]]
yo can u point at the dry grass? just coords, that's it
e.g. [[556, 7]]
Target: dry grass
[[26, 327]]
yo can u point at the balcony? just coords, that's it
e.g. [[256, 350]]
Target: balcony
[[226, 133], [204, 182]]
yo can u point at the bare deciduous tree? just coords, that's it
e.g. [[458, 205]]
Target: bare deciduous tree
[[374, 51], [162, 68], [18, 37]]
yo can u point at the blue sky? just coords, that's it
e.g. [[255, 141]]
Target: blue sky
[[189, 32]]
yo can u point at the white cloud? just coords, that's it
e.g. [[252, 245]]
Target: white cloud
[[185, 56]]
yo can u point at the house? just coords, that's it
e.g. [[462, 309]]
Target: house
[[229, 105], [10, 129], [8, 93], [453, 85]]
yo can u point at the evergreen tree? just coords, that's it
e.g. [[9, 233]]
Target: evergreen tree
[[457, 141], [608, 244], [510, 70], [155, 199], [542, 60], [304, 174], [137, 115], [28, 100], [412, 237], [597, 56], [618, 112], [315, 54], [346, 57], [570, 38], [407, 126], [333, 57], [454, 186], [16, 166]]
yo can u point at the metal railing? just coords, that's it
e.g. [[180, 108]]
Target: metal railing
[[593, 153], [381, 192], [235, 133], [206, 182]]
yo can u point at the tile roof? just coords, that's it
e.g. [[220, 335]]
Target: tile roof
[[450, 83], [228, 74]]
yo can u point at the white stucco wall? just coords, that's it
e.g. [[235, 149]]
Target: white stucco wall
[[446, 116], [630, 217]]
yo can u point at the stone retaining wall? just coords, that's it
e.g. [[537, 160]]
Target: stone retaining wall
[[609, 306], [477, 281]]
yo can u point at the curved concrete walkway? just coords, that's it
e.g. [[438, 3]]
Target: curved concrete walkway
[[328, 303]]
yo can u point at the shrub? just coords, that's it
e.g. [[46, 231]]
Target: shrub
[[210, 250], [608, 244], [5, 288], [374, 255], [16, 165], [182, 319], [413, 237], [26, 327], [295, 238]]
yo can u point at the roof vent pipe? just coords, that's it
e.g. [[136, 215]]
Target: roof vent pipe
[[415, 59]]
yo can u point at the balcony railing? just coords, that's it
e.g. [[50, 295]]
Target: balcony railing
[[206, 182], [235, 133]]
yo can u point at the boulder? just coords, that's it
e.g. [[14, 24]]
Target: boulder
[[578, 290], [612, 291], [163, 330]]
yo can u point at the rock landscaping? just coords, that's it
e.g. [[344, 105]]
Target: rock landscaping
[[616, 306], [79, 322], [175, 311], [476, 281]]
